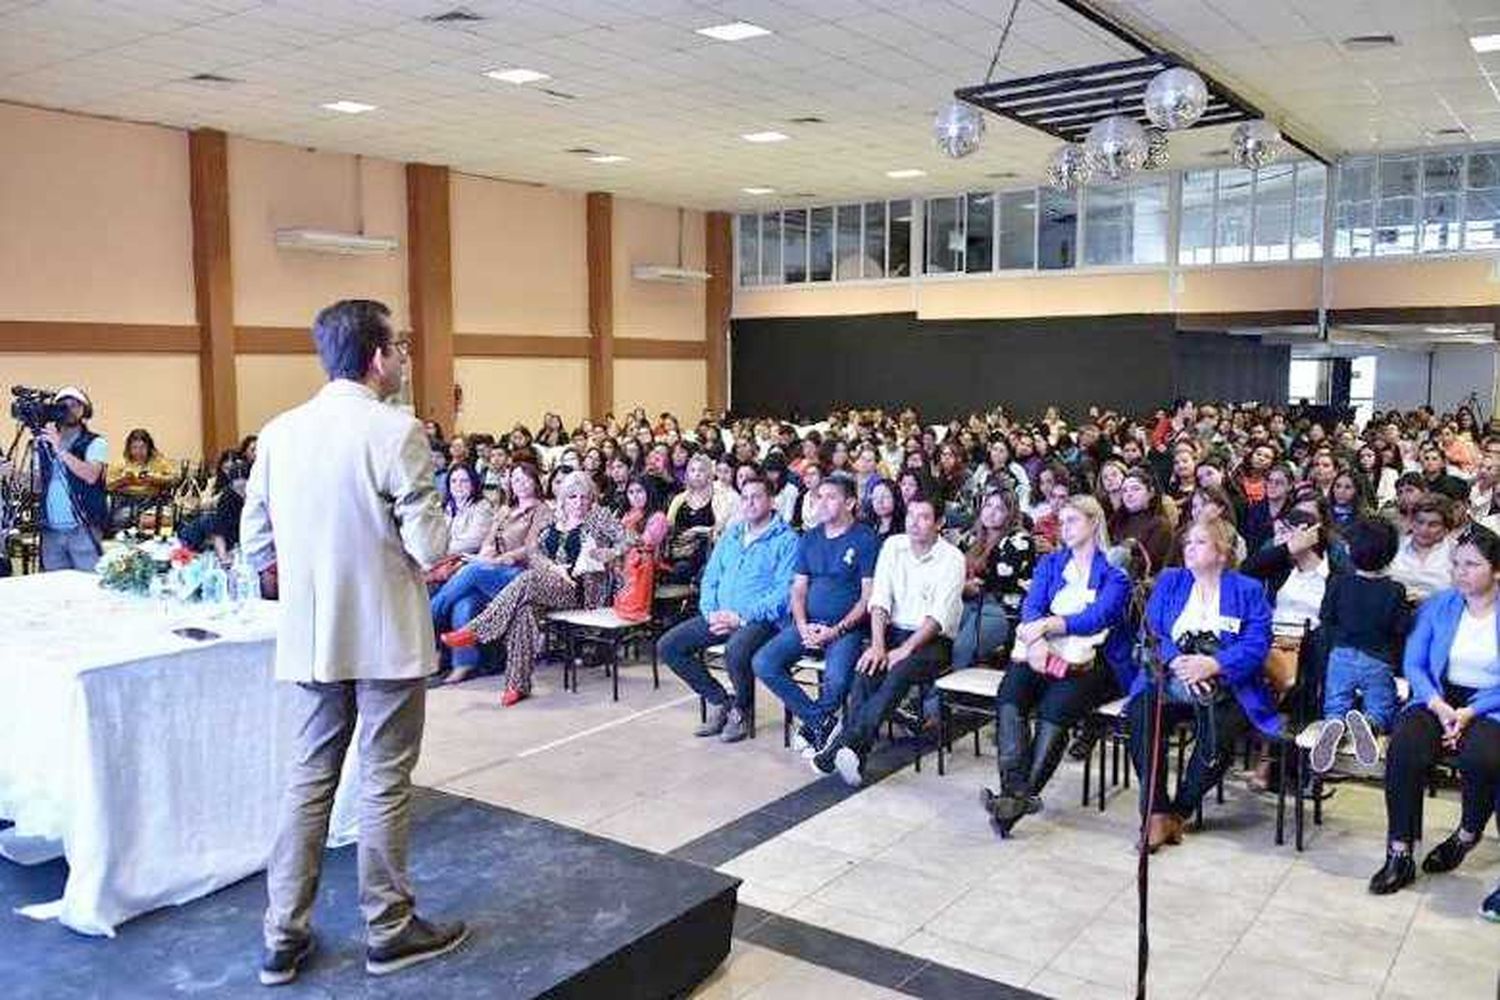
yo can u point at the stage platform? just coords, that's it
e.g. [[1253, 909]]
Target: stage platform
[[554, 912]]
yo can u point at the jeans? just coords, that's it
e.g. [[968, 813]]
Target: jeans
[[877, 695], [75, 548], [682, 650], [980, 633], [773, 665], [389, 717], [1224, 719], [467, 593], [1416, 745], [1352, 671]]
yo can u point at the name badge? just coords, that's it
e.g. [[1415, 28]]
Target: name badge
[[1228, 624]]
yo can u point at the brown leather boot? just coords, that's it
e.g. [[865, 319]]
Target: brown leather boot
[[1163, 828]]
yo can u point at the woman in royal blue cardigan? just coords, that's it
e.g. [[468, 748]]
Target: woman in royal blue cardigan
[[1073, 610], [1453, 664], [1212, 630]]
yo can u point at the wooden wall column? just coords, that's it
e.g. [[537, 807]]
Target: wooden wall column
[[429, 268], [718, 235], [600, 222], [213, 282]]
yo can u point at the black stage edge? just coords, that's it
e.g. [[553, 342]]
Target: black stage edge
[[555, 913]]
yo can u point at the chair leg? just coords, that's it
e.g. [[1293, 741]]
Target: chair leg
[[1088, 773], [942, 735], [1103, 752], [702, 709], [786, 728], [1281, 796], [614, 673]]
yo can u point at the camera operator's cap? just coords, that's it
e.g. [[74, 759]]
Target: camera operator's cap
[[75, 393]]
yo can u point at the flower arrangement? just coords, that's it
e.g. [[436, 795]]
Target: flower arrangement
[[126, 569]]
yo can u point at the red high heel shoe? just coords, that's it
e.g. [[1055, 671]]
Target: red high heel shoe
[[511, 696], [460, 638]]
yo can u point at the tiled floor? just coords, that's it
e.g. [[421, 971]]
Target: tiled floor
[[910, 863]]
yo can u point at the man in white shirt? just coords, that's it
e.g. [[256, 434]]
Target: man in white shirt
[[1424, 560], [342, 509], [916, 600]]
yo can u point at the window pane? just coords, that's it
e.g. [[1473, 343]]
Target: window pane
[[849, 248], [1484, 170], [749, 249], [770, 249], [794, 245], [1307, 236], [1354, 214], [821, 243], [1273, 212], [1442, 173], [900, 243], [1106, 224], [1482, 203], [1149, 220], [1396, 226], [979, 230], [1195, 244], [1398, 176], [1018, 230], [1440, 223], [1057, 236], [1232, 240], [874, 239], [945, 236]]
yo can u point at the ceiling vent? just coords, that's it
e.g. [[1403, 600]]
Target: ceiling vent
[[1369, 43], [458, 15], [807, 120], [582, 151], [1449, 132], [560, 94], [327, 241], [213, 79]]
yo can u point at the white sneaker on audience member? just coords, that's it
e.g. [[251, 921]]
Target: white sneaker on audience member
[[1325, 749], [1366, 749]]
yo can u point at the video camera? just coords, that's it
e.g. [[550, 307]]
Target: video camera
[[36, 408]]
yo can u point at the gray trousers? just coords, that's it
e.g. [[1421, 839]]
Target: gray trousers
[[390, 715], [70, 549]]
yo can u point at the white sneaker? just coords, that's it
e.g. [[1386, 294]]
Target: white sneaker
[[850, 767], [1366, 749], [1325, 749]]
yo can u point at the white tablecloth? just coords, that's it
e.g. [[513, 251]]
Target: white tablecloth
[[154, 763]]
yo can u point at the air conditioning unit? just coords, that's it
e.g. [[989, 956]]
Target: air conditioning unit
[[328, 241], [669, 274]]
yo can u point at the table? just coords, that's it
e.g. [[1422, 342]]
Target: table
[[152, 762]]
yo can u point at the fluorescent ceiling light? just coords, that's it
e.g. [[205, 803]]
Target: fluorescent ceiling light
[[758, 190], [608, 158], [517, 76], [734, 31], [349, 107], [1485, 43], [901, 175], [765, 136]]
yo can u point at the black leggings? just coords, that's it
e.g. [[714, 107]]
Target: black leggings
[[1205, 765], [1416, 745]]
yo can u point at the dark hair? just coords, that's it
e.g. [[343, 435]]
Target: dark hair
[[348, 333], [1372, 543], [1485, 541], [144, 436], [1411, 479], [931, 500], [755, 477], [1434, 503], [898, 505], [653, 498], [476, 486], [843, 482], [529, 470]]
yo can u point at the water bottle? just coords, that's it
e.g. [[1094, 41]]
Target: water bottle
[[244, 581], [215, 587]]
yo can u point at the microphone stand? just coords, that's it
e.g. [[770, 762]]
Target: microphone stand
[[1151, 660]]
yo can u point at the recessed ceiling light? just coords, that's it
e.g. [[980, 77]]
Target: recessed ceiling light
[[1485, 43], [608, 158], [734, 31], [758, 190], [901, 175], [1368, 43], [516, 76], [765, 137], [349, 107]]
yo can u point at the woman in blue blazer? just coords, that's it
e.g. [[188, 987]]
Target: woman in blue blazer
[[1074, 592], [1453, 666], [1211, 628]]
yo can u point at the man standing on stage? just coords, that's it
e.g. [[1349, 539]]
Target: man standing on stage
[[342, 517]]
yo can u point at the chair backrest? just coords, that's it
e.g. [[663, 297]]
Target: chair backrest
[[1283, 666]]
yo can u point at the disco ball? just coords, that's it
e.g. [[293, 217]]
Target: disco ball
[[958, 128], [1158, 155], [1176, 98], [1254, 144], [1116, 147], [1068, 168]]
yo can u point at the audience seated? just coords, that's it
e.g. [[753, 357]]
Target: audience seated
[[144, 475], [999, 558]]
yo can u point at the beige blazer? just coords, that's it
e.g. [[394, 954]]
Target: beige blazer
[[343, 500]]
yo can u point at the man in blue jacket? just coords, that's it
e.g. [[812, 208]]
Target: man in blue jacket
[[741, 599]]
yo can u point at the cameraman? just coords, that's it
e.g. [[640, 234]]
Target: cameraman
[[75, 510]]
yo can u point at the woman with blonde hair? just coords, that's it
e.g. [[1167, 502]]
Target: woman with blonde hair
[[1071, 618], [568, 569]]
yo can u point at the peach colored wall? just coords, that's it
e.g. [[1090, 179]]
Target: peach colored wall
[[272, 186], [156, 391], [94, 220], [1045, 295], [674, 385], [520, 259], [825, 300], [271, 383], [1249, 289], [649, 234], [1468, 281], [500, 392]]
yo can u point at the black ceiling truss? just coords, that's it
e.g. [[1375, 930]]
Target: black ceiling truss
[[1067, 103]]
